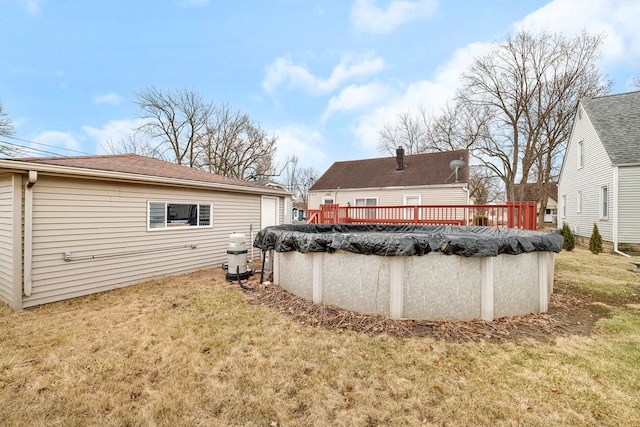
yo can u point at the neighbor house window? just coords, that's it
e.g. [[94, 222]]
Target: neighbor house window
[[327, 200], [580, 154], [579, 202], [564, 206], [164, 215], [604, 202], [366, 201]]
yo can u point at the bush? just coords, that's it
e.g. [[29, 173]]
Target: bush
[[595, 242], [569, 238], [481, 220]]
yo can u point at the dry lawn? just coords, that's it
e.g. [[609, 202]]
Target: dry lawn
[[191, 351]]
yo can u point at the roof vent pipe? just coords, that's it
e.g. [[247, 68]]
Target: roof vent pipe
[[399, 158]]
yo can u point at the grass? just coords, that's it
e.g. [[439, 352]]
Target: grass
[[189, 350]]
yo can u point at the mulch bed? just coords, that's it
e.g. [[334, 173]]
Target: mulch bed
[[568, 315]]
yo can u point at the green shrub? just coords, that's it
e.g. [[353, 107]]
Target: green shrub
[[569, 238], [595, 242]]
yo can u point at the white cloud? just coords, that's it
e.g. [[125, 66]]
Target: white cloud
[[284, 72], [431, 95], [114, 130], [56, 138], [109, 98], [618, 19], [367, 17], [356, 98], [302, 142]]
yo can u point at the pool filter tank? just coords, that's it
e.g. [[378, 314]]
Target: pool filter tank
[[237, 257]]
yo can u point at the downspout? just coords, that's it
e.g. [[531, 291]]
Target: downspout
[[28, 230], [466, 211], [615, 213]]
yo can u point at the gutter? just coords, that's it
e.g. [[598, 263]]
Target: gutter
[[615, 214], [28, 230]]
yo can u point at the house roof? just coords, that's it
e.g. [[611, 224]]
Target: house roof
[[532, 192], [615, 119], [420, 169], [132, 166]]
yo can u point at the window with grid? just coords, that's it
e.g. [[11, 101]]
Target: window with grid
[[164, 215]]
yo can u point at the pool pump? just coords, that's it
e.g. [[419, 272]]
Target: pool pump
[[237, 258]]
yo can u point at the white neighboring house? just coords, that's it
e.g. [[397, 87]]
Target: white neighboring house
[[73, 226], [600, 177]]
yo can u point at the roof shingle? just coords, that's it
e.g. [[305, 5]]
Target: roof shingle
[[139, 165], [420, 169], [616, 119]]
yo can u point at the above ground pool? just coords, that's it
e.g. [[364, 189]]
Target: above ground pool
[[415, 272]]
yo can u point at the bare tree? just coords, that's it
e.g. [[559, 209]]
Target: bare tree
[[636, 82], [297, 179], [182, 127], [177, 120], [408, 131], [235, 146], [6, 129], [516, 104], [484, 187], [132, 144], [529, 87]]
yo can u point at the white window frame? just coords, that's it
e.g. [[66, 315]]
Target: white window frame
[[604, 202], [366, 213], [355, 201], [181, 225], [579, 201], [580, 154], [408, 214], [564, 206]]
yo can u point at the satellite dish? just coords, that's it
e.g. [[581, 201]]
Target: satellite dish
[[457, 165]]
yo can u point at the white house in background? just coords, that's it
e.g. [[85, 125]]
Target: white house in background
[[600, 177], [416, 179], [73, 226]]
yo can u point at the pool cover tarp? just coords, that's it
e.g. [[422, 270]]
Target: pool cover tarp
[[406, 240]]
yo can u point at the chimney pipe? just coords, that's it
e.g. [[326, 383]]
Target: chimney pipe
[[399, 158]]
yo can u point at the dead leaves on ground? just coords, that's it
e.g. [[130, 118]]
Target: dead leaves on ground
[[540, 326]]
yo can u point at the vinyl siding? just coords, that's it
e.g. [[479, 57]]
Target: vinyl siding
[[7, 267], [628, 204], [96, 218], [430, 195], [596, 172]]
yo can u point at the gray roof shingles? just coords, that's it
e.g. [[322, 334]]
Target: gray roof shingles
[[616, 119]]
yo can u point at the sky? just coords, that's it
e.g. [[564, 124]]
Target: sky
[[322, 75]]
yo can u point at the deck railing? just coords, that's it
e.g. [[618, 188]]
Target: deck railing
[[510, 215]]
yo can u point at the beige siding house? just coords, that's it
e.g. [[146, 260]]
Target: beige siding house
[[403, 180], [74, 226], [533, 192], [600, 177]]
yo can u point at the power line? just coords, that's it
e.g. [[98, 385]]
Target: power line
[[37, 150], [44, 145]]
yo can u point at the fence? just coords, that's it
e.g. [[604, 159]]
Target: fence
[[510, 215]]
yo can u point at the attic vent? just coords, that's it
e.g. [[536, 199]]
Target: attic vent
[[579, 112]]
